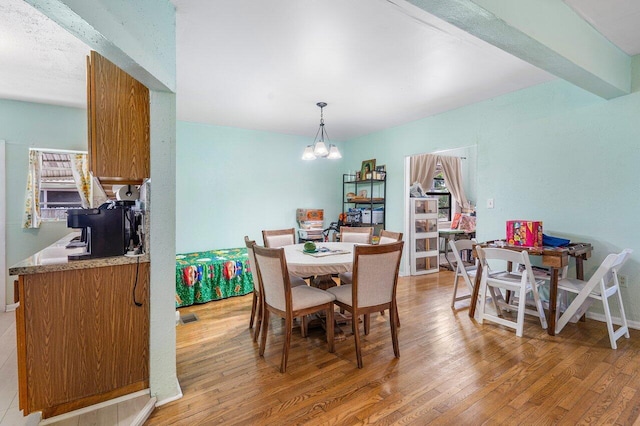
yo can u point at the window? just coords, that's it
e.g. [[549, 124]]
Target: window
[[58, 190], [440, 191]]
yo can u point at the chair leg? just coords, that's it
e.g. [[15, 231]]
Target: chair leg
[[455, 290], [258, 329], [303, 325], [538, 302], [265, 329], [622, 314], [254, 304], [367, 324], [330, 330], [393, 315], [607, 315], [356, 338], [521, 308], [482, 301], [288, 326]]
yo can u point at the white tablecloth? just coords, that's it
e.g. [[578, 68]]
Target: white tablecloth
[[304, 265]]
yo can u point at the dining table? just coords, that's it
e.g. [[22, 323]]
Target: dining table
[[554, 258], [331, 258]]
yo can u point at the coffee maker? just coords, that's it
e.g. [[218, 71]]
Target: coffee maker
[[113, 229]]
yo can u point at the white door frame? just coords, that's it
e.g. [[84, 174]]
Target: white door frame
[[3, 231], [406, 267]]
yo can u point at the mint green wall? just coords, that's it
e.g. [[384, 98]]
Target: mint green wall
[[552, 152], [25, 125], [234, 182]]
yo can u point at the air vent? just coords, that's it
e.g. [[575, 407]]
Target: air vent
[[187, 318]]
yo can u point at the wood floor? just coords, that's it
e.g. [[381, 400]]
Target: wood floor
[[451, 371]]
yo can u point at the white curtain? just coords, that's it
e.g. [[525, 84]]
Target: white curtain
[[91, 192], [98, 196], [31, 215], [423, 168], [81, 177], [452, 171]]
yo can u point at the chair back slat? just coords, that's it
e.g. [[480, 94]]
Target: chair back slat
[[376, 273]]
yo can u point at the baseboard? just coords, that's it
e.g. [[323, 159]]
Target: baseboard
[[171, 398], [12, 307], [94, 407], [145, 413], [616, 320]]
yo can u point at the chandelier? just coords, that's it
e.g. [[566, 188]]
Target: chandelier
[[319, 148]]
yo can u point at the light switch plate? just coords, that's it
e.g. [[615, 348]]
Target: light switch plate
[[489, 203]]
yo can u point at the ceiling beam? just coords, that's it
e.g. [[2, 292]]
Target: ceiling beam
[[545, 33]]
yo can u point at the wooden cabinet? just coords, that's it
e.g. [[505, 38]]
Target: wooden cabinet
[[424, 236], [82, 338], [118, 112]]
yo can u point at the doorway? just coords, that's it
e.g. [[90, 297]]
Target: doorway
[[468, 166]]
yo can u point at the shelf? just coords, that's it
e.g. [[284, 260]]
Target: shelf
[[365, 200], [367, 196], [368, 181]]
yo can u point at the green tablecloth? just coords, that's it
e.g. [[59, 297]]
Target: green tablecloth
[[212, 275]]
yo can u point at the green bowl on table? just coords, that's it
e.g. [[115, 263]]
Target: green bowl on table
[[310, 247]]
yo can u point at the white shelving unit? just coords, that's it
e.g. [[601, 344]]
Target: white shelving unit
[[424, 236]]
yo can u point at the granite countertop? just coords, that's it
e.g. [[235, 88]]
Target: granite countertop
[[54, 258]]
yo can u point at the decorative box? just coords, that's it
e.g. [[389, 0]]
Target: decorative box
[[526, 233], [309, 214]]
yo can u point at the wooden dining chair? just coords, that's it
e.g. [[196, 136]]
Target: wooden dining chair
[[519, 284], [357, 234], [287, 302], [375, 279], [603, 284], [278, 237], [386, 237], [256, 304]]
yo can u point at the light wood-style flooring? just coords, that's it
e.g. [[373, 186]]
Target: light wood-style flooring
[[451, 371]]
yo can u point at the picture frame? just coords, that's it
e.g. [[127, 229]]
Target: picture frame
[[381, 168], [367, 169]]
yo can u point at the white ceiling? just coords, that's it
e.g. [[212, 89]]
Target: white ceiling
[[617, 20], [39, 61], [264, 65]]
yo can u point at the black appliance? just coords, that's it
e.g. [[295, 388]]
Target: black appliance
[[113, 229]]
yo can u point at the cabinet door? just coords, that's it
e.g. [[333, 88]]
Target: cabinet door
[[118, 107], [83, 337]]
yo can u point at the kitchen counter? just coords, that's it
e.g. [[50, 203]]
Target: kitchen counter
[[54, 258], [82, 329]]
